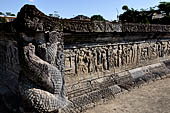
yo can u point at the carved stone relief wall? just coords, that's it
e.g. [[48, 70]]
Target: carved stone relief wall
[[82, 60], [130, 27], [41, 56], [9, 73], [95, 59], [8, 53], [90, 26]]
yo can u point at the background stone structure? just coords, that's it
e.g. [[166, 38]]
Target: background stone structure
[[134, 27], [92, 53], [101, 58], [98, 63], [9, 73], [89, 26]]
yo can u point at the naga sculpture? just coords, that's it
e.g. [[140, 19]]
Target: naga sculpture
[[40, 44], [41, 83]]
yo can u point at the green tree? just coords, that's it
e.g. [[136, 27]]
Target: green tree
[[164, 7], [125, 7], [1, 13], [134, 16], [97, 18], [155, 15], [151, 9], [8, 13], [51, 15], [12, 14], [130, 16], [55, 14]]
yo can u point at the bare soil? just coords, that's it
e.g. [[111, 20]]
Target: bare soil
[[149, 98]]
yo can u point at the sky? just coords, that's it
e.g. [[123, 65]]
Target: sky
[[109, 9]]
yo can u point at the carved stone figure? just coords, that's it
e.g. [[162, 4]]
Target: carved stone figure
[[119, 54], [131, 54], [164, 48], [99, 59], [104, 60], [89, 61], [110, 59], [82, 68], [134, 53], [154, 51], [124, 56], [159, 49], [168, 47], [94, 60], [41, 83]]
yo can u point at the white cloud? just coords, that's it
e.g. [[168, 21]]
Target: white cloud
[[31, 0]]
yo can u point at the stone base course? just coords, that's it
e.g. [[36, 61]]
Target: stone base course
[[115, 84]]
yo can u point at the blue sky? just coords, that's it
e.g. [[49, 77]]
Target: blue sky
[[71, 8]]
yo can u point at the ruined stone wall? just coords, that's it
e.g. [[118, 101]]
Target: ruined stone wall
[[97, 26], [90, 64], [90, 26], [9, 73], [69, 26], [99, 69], [10, 69], [101, 58], [92, 59], [135, 27], [95, 59]]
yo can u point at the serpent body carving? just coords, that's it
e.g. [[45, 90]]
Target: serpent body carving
[[41, 83]]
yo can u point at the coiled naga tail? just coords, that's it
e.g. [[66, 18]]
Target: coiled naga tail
[[41, 83]]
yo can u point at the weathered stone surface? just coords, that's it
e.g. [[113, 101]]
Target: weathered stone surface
[[133, 27], [89, 26], [9, 73], [41, 83], [106, 54], [31, 19], [97, 65], [150, 98], [96, 62], [77, 86]]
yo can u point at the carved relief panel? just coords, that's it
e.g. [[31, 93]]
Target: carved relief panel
[[104, 58]]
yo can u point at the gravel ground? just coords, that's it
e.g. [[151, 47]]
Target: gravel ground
[[149, 98]]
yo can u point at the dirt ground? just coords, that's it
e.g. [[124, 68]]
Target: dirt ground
[[149, 98]]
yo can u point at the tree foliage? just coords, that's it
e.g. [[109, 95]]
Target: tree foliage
[[55, 14], [164, 7], [7, 14], [97, 18], [135, 16], [125, 7], [154, 15], [1, 13]]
